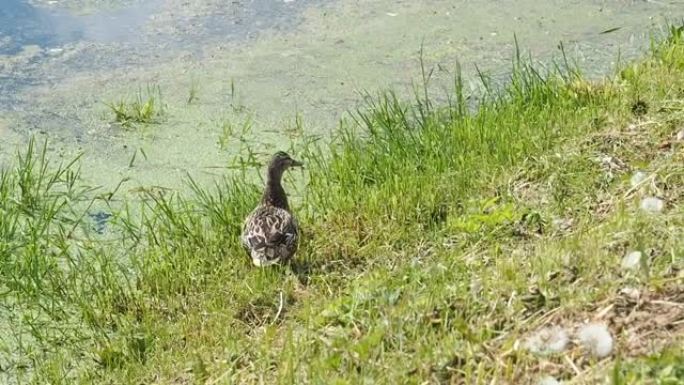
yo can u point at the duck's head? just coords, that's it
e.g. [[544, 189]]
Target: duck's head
[[281, 161]]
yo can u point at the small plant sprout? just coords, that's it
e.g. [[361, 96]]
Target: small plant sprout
[[596, 339], [234, 132], [652, 205], [147, 108], [235, 103], [192, 93], [549, 340], [631, 260]]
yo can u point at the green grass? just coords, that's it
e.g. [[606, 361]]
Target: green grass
[[431, 250], [666, 367], [147, 108]]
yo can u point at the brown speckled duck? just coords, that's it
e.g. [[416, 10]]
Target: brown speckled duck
[[271, 232]]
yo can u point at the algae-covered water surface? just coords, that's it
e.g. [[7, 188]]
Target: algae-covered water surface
[[245, 77]]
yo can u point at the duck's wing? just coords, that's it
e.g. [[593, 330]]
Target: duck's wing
[[272, 231]]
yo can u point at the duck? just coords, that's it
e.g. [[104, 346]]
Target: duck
[[270, 232]]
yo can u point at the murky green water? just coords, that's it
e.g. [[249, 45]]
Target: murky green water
[[266, 62]]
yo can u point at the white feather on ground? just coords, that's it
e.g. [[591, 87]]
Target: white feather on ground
[[596, 339]]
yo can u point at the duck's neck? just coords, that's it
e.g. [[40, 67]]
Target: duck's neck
[[274, 194]]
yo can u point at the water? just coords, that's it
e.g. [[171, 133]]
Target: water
[[265, 65], [22, 24], [138, 33]]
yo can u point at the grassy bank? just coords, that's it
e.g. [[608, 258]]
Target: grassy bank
[[439, 241]]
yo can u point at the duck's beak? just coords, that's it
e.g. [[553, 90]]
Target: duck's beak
[[296, 163]]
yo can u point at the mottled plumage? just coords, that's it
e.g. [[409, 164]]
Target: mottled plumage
[[271, 233]]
